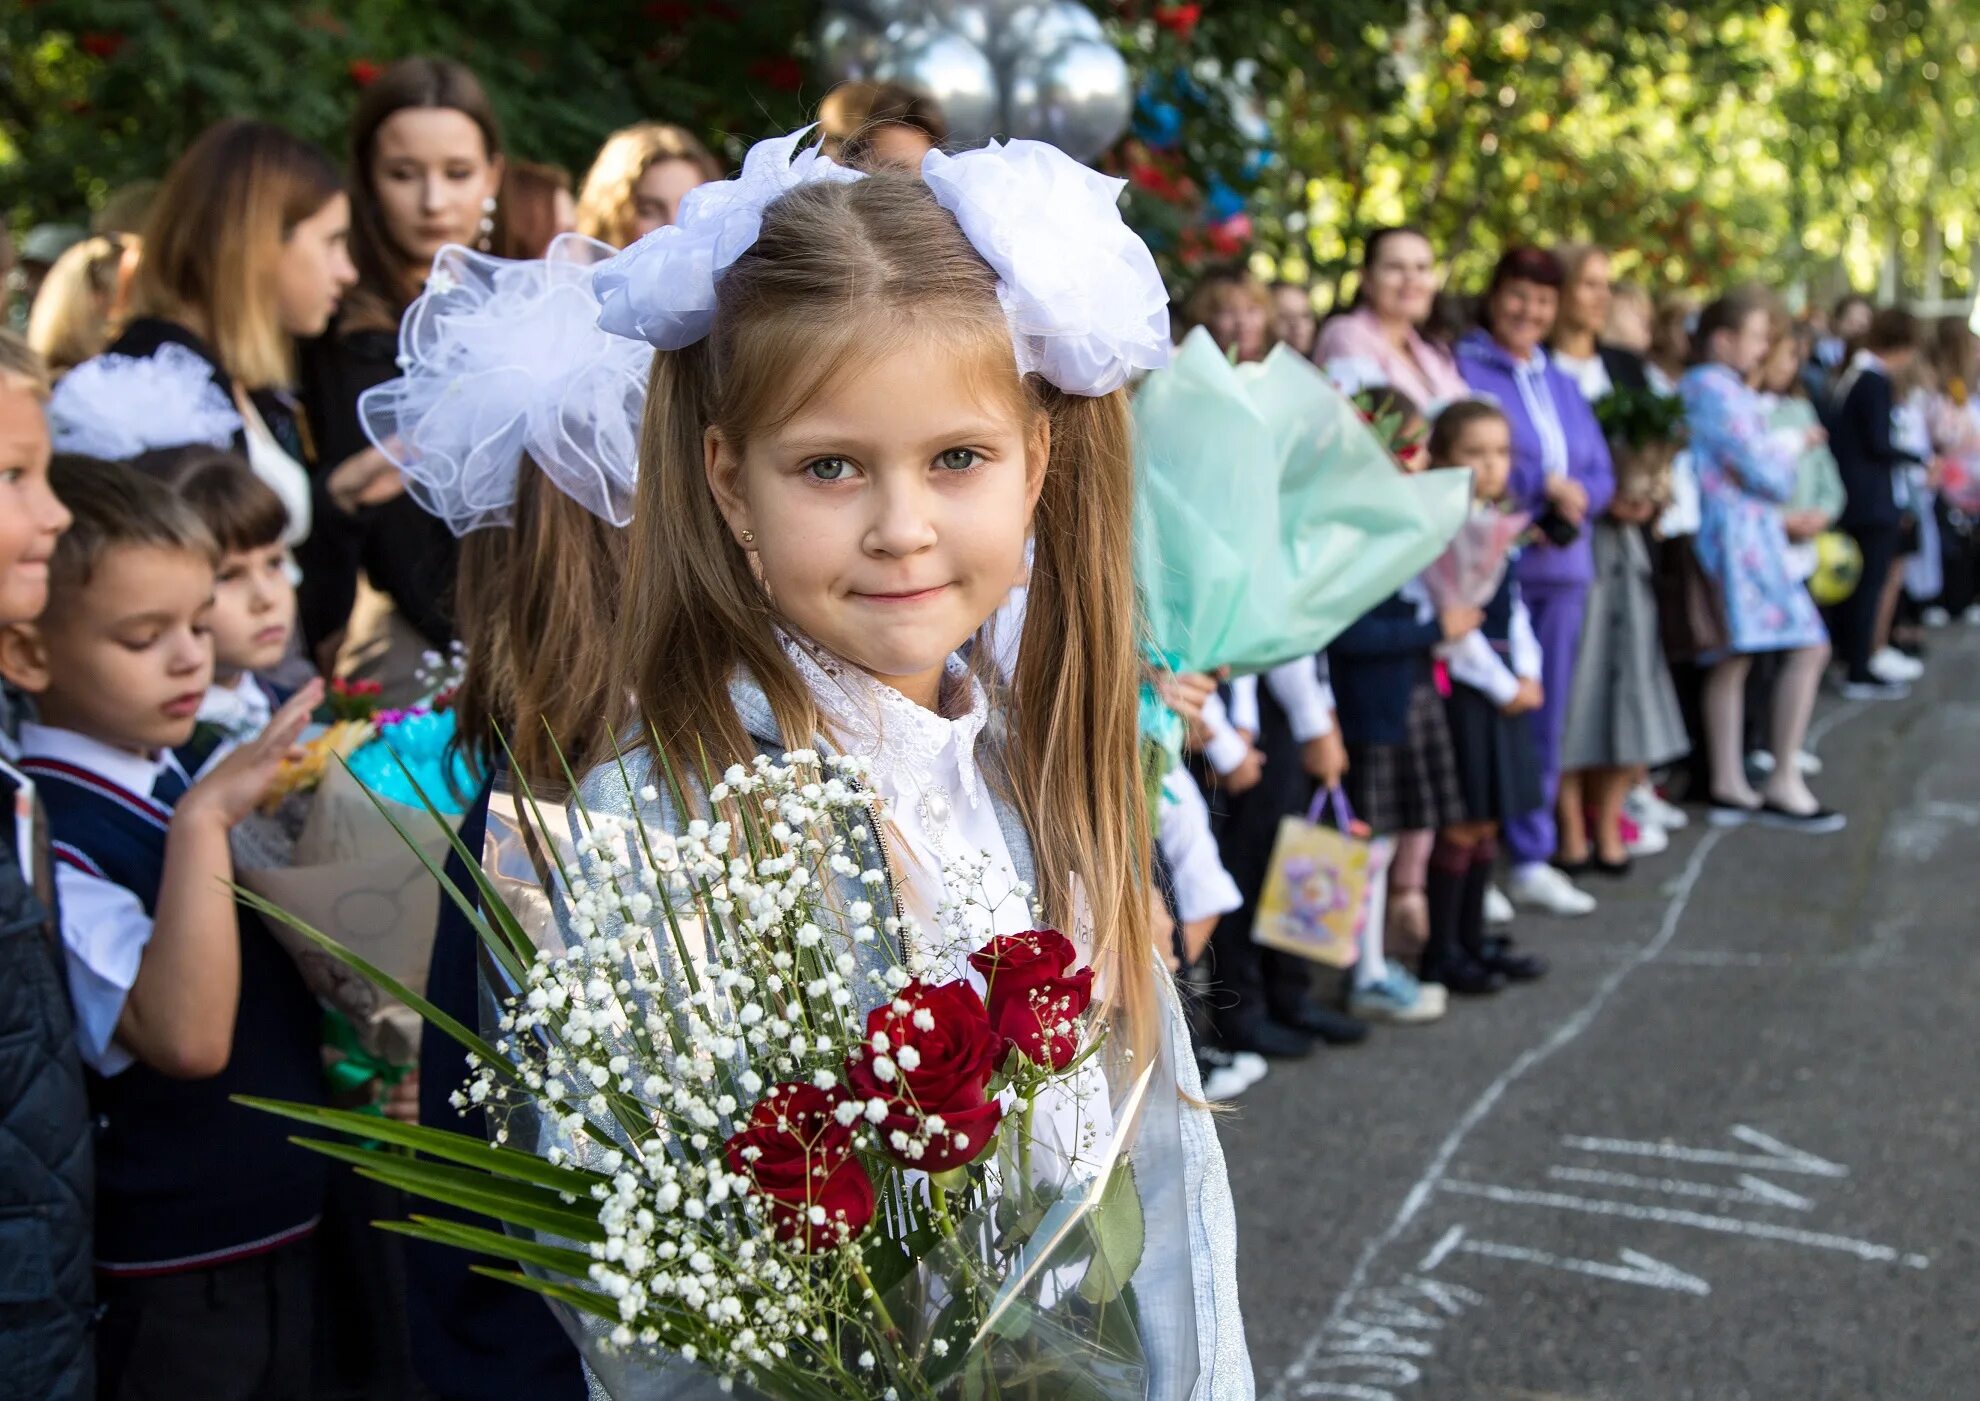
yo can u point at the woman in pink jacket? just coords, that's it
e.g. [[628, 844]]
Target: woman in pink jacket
[[1376, 343]]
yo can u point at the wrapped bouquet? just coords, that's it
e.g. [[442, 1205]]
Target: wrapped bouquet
[[1645, 430], [344, 842], [753, 1128], [1473, 565], [1269, 515]]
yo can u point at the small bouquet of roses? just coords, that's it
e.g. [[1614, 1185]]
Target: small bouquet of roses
[[751, 1131], [343, 840]]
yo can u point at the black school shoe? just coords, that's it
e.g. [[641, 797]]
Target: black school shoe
[[1501, 957], [1265, 1037], [1464, 976], [1309, 1017], [1816, 823]]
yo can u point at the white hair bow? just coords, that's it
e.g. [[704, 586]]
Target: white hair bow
[[116, 407], [1085, 302], [501, 358], [662, 289]]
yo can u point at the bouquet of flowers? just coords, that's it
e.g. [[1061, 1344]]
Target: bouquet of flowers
[[332, 844], [1473, 565], [1269, 514], [1645, 430], [752, 1129]]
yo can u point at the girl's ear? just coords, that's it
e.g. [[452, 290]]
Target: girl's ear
[[722, 465], [24, 657], [1037, 455]]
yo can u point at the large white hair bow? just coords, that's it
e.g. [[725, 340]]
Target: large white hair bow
[[115, 407], [662, 289], [501, 358], [1086, 304]]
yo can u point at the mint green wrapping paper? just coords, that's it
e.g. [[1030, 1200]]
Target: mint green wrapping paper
[[1268, 516]]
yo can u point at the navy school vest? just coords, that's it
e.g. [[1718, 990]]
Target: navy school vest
[[186, 1179]]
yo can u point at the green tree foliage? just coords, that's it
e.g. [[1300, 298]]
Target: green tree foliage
[[95, 93]]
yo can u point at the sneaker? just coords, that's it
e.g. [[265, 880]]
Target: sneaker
[[1719, 814], [1545, 888], [1398, 999], [1760, 762], [1648, 841], [1644, 806], [1875, 691], [1816, 823], [1971, 617], [1252, 1066], [1935, 617], [1894, 666], [1809, 762], [1498, 909], [1220, 1075]]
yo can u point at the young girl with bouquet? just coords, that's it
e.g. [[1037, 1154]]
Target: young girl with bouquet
[[870, 393], [1495, 685]]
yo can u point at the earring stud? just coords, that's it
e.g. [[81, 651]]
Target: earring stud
[[749, 537]]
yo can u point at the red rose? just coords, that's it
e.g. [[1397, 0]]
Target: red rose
[[929, 1055], [364, 72], [800, 1159], [1179, 20], [1034, 1002]]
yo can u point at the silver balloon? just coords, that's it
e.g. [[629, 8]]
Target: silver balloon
[[972, 19], [1079, 97], [848, 47], [957, 75], [1040, 30], [885, 12]]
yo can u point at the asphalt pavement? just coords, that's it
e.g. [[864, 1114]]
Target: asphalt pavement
[[1729, 1149]]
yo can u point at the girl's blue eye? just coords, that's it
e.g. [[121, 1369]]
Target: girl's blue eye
[[958, 459], [829, 469]]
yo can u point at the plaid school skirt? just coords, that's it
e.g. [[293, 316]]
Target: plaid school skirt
[[1413, 785]]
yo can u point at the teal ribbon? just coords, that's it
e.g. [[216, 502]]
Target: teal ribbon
[[357, 1066]]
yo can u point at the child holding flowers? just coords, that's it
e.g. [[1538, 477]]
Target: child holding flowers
[[869, 393]]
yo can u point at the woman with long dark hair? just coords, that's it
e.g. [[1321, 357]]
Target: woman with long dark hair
[[1378, 342], [426, 167]]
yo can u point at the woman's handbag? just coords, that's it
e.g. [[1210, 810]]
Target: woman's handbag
[[1690, 614]]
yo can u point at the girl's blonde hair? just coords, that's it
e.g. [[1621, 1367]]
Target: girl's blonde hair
[[531, 603], [215, 233], [837, 270], [76, 306], [605, 205]]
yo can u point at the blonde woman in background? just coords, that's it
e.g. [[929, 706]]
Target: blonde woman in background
[[80, 300], [638, 179]]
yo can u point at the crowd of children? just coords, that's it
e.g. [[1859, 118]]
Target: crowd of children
[[157, 675]]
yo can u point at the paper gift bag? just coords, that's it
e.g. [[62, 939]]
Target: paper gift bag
[[1324, 886]]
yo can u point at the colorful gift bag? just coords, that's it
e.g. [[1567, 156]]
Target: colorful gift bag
[[1324, 886]]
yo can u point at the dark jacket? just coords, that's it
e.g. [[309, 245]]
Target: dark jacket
[[407, 554], [327, 558], [1625, 368], [1860, 437], [47, 1173], [1375, 665], [478, 1338]]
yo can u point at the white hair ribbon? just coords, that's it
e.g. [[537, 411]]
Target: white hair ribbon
[[500, 358], [1085, 302], [116, 407]]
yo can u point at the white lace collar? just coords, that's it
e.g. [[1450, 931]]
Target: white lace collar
[[902, 739]]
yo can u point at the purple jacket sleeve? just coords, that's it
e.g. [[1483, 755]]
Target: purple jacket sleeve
[[1588, 451]]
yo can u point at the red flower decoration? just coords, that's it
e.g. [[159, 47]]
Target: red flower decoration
[[1179, 20], [1034, 1002], [799, 1158], [929, 1055], [364, 72], [100, 43], [782, 72]]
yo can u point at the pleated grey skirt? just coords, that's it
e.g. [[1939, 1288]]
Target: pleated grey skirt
[[1623, 710]]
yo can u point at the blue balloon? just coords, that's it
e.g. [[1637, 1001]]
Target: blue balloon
[[1157, 122], [1221, 200]]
